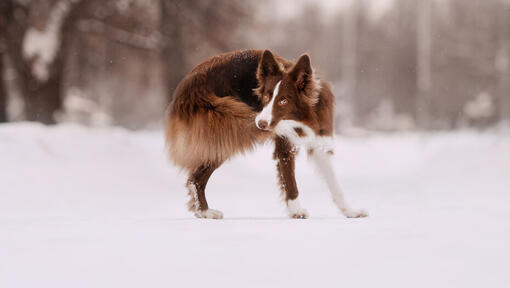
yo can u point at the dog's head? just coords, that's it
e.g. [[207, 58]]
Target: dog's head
[[285, 94]]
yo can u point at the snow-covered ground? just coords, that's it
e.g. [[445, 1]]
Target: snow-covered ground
[[101, 207]]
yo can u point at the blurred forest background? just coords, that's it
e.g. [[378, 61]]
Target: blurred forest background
[[394, 64]]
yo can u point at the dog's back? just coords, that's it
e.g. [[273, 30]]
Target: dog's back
[[212, 114]]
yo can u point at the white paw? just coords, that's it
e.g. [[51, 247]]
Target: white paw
[[355, 213], [299, 214], [209, 214], [295, 210]]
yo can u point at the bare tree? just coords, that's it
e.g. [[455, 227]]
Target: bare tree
[[502, 61], [172, 52], [3, 91], [36, 36], [187, 26], [424, 61], [350, 56], [5, 9]]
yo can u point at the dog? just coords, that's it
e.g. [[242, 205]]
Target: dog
[[231, 102]]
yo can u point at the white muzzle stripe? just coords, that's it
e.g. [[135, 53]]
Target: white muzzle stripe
[[267, 113]]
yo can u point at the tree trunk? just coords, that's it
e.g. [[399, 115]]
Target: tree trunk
[[174, 62], [43, 94], [424, 61], [350, 63], [3, 90], [502, 64], [39, 82], [5, 9]]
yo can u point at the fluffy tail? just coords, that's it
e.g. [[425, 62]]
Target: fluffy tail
[[209, 129]]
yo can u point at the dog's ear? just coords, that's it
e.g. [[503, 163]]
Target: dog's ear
[[302, 72], [302, 75], [267, 66]]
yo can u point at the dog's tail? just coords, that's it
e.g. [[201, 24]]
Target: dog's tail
[[202, 127]]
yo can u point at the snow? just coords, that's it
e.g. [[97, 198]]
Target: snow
[[480, 107], [42, 46], [101, 207]]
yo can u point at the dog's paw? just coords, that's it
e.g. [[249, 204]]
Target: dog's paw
[[295, 210], [299, 214], [209, 214], [355, 213]]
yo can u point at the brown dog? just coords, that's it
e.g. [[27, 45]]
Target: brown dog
[[233, 101]]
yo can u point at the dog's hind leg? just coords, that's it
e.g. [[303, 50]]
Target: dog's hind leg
[[196, 184], [284, 154], [323, 162]]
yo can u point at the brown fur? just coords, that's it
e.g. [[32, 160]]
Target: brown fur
[[285, 155], [309, 100], [324, 111], [212, 115], [203, 127], [214, 135], [198, 179], [300, 132]]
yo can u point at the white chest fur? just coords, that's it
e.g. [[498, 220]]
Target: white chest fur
[[308, 138]]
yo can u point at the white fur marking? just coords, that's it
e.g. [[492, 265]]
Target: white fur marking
[[285, 128], [267, 113], [209, 214], [323, 162], [41, 46], [193, 191]]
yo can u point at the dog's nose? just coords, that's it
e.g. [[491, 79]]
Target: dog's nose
[[262, 124]]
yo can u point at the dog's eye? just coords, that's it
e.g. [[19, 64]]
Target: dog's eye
[[266, 98], [283, 101]]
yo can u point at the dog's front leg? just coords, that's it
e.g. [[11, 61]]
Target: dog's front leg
[[322, 160], [284, 155]]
